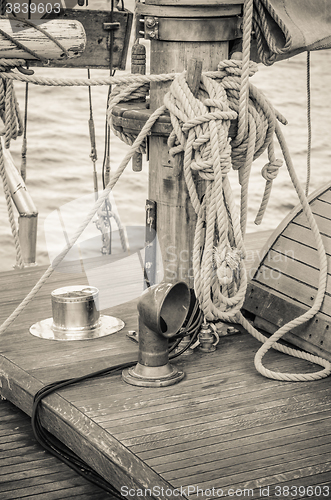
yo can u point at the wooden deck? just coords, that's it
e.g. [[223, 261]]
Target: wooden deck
[[223, 427]]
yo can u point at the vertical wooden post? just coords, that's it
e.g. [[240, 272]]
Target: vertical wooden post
[[176, 218]]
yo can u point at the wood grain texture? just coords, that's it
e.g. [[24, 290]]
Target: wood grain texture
[[27, 470], [286, 277], [295, 216], [188, 10]]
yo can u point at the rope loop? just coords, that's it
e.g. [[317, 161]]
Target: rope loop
[[267, 45], [13, 127], [270, 170]]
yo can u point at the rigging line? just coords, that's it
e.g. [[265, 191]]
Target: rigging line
[[93, 154], [25, 120], [308, 124], [26, 98], [106, 158]]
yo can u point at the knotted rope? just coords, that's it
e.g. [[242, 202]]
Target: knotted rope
[[200, 130], [267, 46]]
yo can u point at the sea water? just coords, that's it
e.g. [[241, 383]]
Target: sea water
[[59, 168]]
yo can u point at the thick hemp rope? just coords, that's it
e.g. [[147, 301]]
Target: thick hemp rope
[[19, 258], [200, 129], [267, 46]]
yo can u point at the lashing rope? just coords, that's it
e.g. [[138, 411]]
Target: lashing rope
[[13, 127]]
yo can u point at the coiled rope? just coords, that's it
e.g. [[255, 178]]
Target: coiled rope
[[200, 130], [219, 273]]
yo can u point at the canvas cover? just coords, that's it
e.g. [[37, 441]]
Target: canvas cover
[[284, 28]]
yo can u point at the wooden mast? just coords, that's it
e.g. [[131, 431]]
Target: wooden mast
[[176, 40]]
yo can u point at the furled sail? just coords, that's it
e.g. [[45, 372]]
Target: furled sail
[[284, 28]]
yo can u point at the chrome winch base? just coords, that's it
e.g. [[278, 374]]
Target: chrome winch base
[[76, 316]]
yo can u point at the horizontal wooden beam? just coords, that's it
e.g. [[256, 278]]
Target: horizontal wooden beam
[[107, 37], [188, 10], [200, 3]]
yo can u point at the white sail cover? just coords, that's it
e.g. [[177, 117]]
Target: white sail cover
[[284, 28]]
